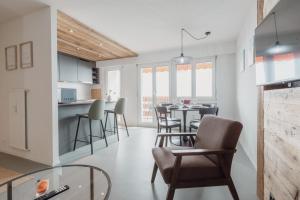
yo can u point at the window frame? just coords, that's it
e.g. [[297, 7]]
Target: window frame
[[152, 65], [193, 80], [107, 70]]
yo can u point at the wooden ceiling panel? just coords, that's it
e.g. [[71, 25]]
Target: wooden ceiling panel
[[77, 39]]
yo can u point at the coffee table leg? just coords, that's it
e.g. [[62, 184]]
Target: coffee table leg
[[92, 182]]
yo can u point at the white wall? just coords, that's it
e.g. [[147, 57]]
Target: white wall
[[225, 75], [39, 27], [246, 90]]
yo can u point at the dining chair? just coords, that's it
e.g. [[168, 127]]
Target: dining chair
[[163, 121], [194, 124], [206, 164], [118, 110], [96, 113]]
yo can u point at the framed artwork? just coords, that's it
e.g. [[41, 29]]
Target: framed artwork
[[26, 54], [11, 58]]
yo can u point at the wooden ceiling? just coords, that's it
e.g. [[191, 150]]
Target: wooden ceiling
[[77, 39]]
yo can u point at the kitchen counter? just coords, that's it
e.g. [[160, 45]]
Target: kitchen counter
[[67, 122], [81, 102]]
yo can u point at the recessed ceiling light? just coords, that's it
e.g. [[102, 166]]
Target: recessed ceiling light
[[71, 30]]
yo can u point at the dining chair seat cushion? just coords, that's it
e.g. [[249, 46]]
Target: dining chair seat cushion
[[170, 123], [193, 168], [109, 111], [174, 119], [195, 124], [86, 115], [195, 121]]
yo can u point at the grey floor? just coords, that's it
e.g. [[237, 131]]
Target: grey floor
[[18, 164], [130, 163]]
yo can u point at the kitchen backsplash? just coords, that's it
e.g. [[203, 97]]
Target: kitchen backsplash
[[83, 90]]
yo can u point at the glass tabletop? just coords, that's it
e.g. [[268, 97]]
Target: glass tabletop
[[85, 183]]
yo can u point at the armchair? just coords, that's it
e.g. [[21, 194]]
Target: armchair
[[208, 163]]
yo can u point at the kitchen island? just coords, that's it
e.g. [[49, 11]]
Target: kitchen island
[[67, 124]]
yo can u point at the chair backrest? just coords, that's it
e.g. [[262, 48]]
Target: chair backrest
[[96, 111], [208, 111], [161, 113], [120, 106], [218, 133]]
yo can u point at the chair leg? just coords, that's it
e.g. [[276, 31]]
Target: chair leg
[[91, 137], [166, 142], [77, 129], [117, 127], [233, 190], [171, 193], [115, 118], [106, 121], [125, 125], [104, 134], [154, 173], [156, 140]]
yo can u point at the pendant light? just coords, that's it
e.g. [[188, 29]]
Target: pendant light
[[277, 47], [182, 59]]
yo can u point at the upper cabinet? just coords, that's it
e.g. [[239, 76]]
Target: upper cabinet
[[67, 68], [85, 71], [71, 69]]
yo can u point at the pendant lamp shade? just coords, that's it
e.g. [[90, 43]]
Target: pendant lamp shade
[[180, 60], [183, 60]]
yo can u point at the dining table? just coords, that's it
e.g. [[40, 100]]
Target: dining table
[[185, 109]]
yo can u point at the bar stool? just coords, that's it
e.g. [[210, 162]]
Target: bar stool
[[96, 112], [118, 110]]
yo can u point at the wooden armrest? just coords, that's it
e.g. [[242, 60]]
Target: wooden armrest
[[177, 134], [193, 152]]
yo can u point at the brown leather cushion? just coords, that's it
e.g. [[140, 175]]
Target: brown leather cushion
[[192, 167]]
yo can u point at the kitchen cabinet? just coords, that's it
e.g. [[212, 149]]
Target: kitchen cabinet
[[85, 71], [72, 69], [67, 68]]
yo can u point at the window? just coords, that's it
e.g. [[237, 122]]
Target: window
[[162, 84], [184, 80], [195, 80], [204, 79], [113, 84], [146, 94]]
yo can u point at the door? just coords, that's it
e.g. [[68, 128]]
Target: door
[[154, 90]]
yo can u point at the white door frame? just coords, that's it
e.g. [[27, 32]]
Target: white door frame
[[153, 66]]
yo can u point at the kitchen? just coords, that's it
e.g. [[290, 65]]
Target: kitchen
[[78, 85]]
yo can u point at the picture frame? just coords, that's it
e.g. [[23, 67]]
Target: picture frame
[[11, 62], [26, 55]]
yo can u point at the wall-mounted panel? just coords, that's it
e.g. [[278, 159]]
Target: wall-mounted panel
[[282, 144]]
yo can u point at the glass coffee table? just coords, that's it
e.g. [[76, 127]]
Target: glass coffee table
[[85, 183]]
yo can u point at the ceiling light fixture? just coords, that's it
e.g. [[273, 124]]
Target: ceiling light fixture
[[71, 30], [187, 59]]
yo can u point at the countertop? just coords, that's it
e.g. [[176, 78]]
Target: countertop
[[80, 102]]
